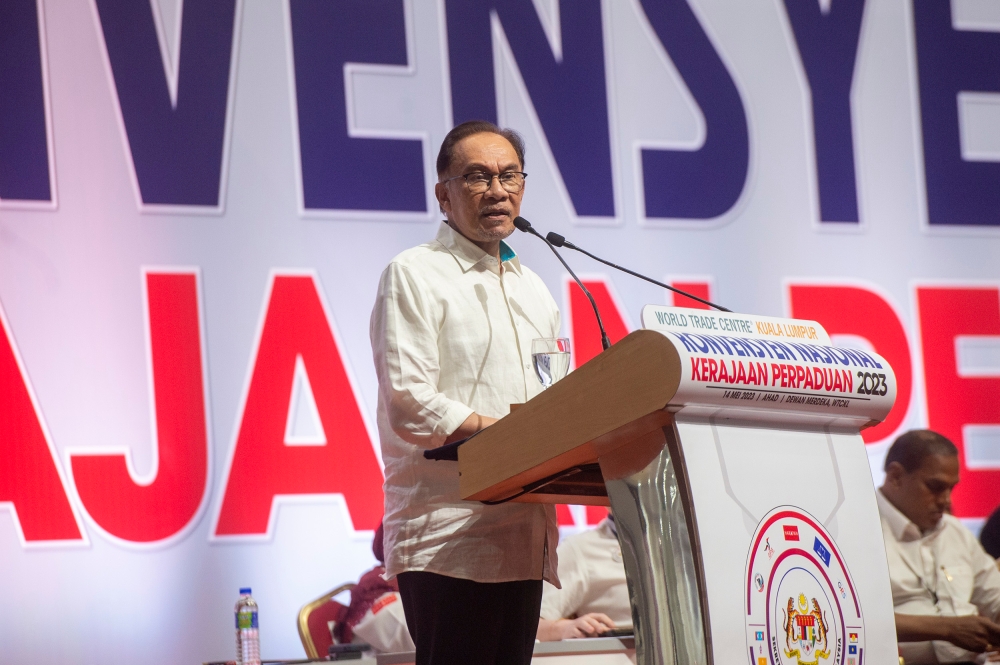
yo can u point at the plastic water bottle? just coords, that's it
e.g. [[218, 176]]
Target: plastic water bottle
[[247, 636]]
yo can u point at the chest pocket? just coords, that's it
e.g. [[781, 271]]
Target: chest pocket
[[958, 581]]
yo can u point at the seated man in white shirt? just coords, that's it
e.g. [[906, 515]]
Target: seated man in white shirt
[[594, 595], [945, 588]]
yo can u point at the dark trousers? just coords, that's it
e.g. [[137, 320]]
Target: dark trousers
[[460, 622]]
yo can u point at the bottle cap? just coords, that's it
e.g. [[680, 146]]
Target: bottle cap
[[245, 591]]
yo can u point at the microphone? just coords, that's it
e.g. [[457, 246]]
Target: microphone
[[560, 241], [524, 225]]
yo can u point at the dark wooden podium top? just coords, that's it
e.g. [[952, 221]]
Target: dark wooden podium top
[[615, 399]]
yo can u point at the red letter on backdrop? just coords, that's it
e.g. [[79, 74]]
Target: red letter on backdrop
[[583, 330], [594, 513], [700, 289], [263, 467], [854, 310], [954, 401], [586, 337], [144, 513], [29, 478]]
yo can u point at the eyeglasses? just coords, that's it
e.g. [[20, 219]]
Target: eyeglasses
[[480, 182]]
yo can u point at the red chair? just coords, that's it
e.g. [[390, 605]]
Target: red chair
[[317, 619]]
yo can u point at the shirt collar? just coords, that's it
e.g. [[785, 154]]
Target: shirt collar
[[506, 253], [903, 530], [468, 254]]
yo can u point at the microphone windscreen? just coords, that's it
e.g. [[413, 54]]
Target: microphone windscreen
[[555, 238], [521, 224]]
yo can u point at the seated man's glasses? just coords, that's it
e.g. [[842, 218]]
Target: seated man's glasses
[[480, 182]]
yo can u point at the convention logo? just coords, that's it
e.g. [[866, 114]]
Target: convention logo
[[802, 606]]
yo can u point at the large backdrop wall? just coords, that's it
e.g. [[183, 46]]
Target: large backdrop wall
[[197, 198]]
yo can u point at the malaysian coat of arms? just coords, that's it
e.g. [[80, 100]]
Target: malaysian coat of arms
[[805, 632]]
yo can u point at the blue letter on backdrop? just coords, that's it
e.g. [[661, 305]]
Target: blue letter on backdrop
[[703, 183], [828, 45], [950, 61], [24, 156], [340, 172], [568, 95], [177, 152]]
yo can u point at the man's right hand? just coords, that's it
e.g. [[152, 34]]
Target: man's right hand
[[589, 625], [973, 633]]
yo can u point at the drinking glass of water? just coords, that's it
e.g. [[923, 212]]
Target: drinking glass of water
[[550, 355]]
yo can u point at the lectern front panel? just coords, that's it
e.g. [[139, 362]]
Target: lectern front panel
[[792, 558]]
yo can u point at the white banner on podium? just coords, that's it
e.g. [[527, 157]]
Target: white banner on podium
[[764, 365]]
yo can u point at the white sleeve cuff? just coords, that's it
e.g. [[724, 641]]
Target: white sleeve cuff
[[456, 414]]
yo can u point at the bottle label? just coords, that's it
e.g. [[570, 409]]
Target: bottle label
[[246, 619]]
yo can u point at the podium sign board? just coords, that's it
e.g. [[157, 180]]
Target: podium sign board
[[772, 369], [730, 452]]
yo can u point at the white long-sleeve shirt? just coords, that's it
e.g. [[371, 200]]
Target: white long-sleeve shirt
[[593, 578], [944, 572], [451, 335]]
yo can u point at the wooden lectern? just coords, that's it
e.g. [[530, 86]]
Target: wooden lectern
[[728, 448]]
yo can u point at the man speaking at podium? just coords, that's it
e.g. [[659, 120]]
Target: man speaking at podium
[[451, 335]]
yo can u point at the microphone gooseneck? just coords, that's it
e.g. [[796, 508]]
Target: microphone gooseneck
[[560, 241], [521, 224]]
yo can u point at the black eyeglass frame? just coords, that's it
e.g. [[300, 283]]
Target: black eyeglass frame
[[498, 176]]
